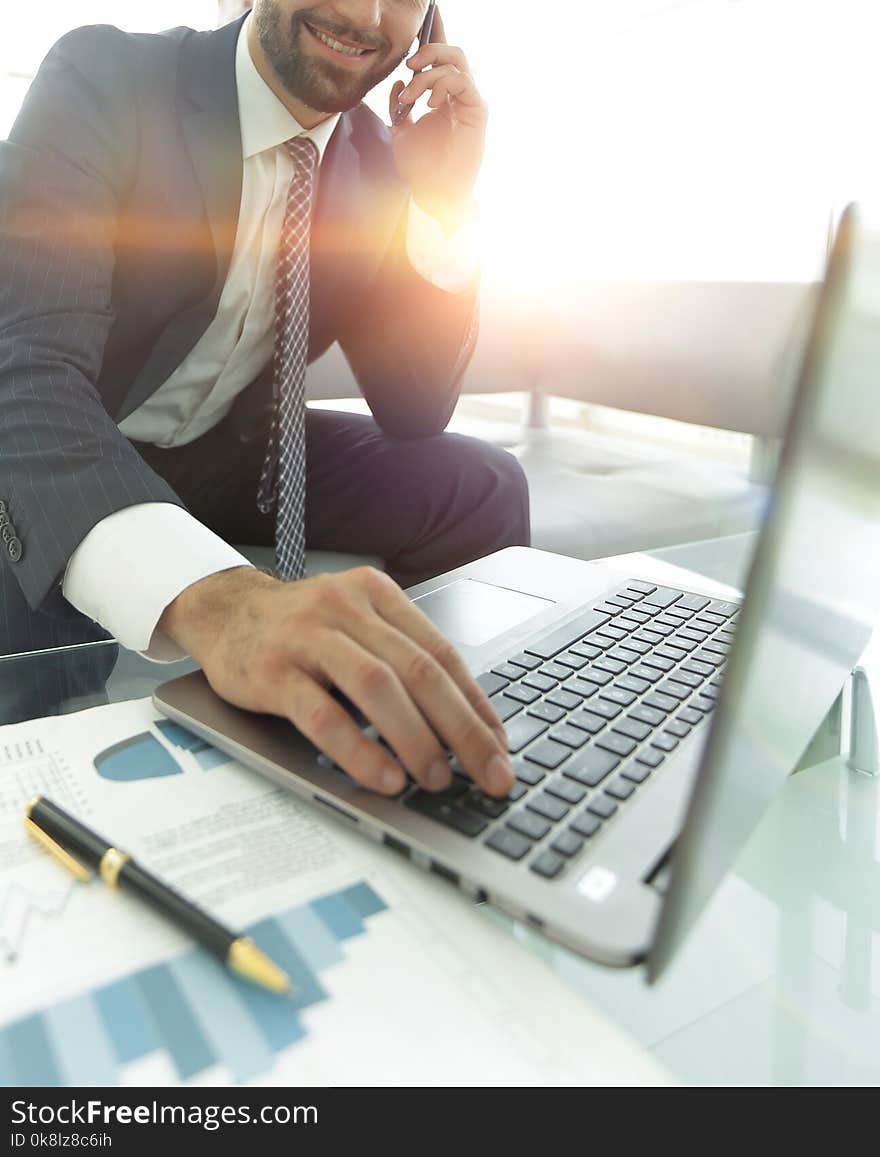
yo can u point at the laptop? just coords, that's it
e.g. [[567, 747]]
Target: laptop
[[649, 725]]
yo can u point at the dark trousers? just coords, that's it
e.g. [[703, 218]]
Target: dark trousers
[[424, 506]]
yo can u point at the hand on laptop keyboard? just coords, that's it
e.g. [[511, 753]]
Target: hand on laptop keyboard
[[277, 647]]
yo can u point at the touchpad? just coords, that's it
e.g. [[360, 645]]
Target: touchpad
[[472, 613]]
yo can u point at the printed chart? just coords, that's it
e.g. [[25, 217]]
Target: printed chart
[[189, 1007]]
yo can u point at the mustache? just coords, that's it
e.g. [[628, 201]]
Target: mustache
[[341, 30]]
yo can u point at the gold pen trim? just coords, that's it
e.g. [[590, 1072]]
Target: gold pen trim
[[55, 850], [249, 961], [112, 863]]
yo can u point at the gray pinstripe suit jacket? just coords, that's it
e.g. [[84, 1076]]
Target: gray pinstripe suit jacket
[[119, 194]]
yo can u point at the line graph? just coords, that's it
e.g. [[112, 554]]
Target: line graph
[[19, 906]]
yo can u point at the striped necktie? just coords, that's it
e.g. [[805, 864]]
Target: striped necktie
[[283, 478]]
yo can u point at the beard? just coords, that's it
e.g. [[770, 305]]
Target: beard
[[316, 82]]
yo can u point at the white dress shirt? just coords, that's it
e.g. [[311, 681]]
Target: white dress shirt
[[135, 562]]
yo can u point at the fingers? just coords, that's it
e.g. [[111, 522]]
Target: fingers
[[372, 684], [332, 730], [466, 90], [433, 55], [466, 728]]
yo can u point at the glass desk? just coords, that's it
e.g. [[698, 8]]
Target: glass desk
[[777, 984]]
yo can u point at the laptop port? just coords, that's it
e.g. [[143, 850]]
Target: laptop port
[[446, 873]]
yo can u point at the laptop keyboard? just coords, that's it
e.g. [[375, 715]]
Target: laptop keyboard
[[591, 711]]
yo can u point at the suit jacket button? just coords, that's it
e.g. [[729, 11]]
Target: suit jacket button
[[14, 548], [7, 532], [4, 519], [3, 507]]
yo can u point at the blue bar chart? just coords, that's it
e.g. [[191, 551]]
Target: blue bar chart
[[189, 1007]]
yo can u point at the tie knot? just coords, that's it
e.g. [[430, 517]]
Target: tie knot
[[304, 153]]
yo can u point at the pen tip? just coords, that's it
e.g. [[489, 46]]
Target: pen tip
[[248, 961]]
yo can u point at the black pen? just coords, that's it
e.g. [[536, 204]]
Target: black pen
[[402, 111], [82, 851]]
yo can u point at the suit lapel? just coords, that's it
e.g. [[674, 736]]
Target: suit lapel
[[212, 130]]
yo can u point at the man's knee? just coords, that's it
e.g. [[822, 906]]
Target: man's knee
[[494, 478]]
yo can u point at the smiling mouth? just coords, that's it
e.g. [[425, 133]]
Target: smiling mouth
[[351, 51]]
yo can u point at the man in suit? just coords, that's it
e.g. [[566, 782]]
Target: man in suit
[[186, 220]]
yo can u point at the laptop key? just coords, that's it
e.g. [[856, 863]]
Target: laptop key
[[529, 774], [678, 728], [711, 621], [620, 789], [711, 657], [698, 634], [658, 662], [563, 637], [604, 708], [689, 715], [643, 671], [624, 655], [587, 721], [548, 864], [718, 648], [647, 714], [490, 682], [676, 690], [549, 712], [679, 612], [662, 597], [509, 844], [548, 754], [711, 692], [570, 736], [507, 671], [642, 588], [723, 609], [650, 757], [703, 703], [636, 616], [566, 789], [632, 727], [522, 694], [585, 825], [634, 644], [602, 806], [486, 805], [517, 791], [563, 698], [548, 807], [698, 667], [585, 651], [567, 843], [664, 742], [529, 824], [636, 772], [591, 766], [522, 731], [591, 675], [621, 600], [660, 701], [571, 660], [631, 682], [652, 638], [682, 644], [581, 687], [554, 671], [505, 707], [619, 744], [448, 814], [618, 695], [610, 632], [538, 682], [524, 660], [606, 663], [694, 602], [689, 678]]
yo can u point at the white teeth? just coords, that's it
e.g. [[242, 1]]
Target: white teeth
[[334, 44]]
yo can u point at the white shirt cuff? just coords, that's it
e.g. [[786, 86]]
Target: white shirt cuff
[[451, 263], [135, 562]]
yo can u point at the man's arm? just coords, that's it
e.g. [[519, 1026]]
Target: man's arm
[[64, 465]]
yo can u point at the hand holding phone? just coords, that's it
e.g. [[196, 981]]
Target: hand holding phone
[[402, 110]]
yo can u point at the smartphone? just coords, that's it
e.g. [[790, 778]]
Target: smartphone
[[402, 111]]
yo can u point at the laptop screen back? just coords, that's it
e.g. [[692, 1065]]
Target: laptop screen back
[[813, 595]]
